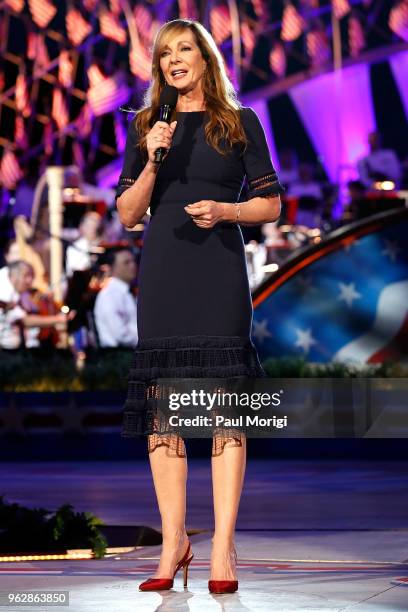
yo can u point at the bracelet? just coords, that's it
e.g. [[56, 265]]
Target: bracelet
[[238, 212]]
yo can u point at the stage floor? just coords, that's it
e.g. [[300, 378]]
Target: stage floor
[[315, 536]]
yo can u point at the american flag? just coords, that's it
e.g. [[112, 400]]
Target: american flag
[[220, 23], [65, 68], [187, 9], [48, 140], [143, 19], [145, 24], [341, 8], [42, 11], [95, 75], [277, 59], [10, 171], [398, 19], [20, 133], [22, 97], [78, 154], [37, 49], [292, 23], [77, 27], [32, 42], [15, 5], [107, 95], [110, 27], [83, 122], [140, 62], [59, 110], [261, 9], [318, 47], [248, 38], [115, 7], [356, 36], [350, 304], [90, 5]]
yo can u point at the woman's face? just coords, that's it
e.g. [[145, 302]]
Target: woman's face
[[182, 54]]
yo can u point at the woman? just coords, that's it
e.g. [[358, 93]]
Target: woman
[[194, 307]]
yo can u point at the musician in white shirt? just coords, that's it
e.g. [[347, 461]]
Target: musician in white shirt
[[115, 306], [79, 254], [380, 164], [14, 320]]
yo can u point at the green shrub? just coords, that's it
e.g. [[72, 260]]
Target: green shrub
[[108, 370], [26, 530]]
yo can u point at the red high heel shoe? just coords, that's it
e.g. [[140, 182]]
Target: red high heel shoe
[[224, 586], [161, 584]]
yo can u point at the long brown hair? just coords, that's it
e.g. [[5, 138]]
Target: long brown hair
[[222, 104]]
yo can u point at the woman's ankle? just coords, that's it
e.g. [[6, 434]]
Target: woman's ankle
[[224, 542], [175, 538]]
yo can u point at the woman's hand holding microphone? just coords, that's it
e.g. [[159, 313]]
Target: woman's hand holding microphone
[[160, 135]]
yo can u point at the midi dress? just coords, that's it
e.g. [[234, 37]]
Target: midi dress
[[194, 310]]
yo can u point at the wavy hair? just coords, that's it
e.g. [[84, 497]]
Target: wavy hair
[[222, 104]]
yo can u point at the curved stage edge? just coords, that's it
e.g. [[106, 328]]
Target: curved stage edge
[[343, 299]]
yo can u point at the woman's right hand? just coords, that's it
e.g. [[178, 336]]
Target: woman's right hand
[[160, 135]]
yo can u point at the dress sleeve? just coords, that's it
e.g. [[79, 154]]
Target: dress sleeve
[[260, 174], [132, 162]]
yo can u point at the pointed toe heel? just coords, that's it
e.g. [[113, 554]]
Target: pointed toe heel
[[163, 584], [156, 584]]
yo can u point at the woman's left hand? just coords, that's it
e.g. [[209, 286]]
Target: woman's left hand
[[206, 213]]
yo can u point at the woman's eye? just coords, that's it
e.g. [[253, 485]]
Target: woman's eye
[[182, 48]]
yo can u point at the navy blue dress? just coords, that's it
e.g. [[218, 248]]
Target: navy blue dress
[[194, 301]]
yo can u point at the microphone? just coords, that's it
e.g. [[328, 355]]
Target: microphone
[[168, 101]]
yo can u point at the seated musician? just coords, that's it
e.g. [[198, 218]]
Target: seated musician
[[15, 321]]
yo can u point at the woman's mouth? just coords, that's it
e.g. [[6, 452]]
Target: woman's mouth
[[179, 74]]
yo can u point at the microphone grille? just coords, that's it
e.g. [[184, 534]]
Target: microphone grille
[[169, 95]]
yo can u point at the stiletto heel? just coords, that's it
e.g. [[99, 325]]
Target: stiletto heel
[[161, 584], [185, 572]]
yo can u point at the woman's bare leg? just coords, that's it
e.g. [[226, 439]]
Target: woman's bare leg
[[228, 472], [170, 478]]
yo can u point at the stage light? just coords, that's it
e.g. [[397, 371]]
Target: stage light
[[65, 309], [384, 185], [270, 267], [68, 556]]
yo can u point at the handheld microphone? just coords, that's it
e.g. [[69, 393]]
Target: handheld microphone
[[168, 101]]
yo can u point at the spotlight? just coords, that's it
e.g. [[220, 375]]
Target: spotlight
[[384, 185]]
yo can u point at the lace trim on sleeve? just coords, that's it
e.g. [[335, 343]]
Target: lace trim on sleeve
[[265, 185], [126, 181], [123, 184]]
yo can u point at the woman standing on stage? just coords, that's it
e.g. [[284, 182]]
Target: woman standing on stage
[[194, 302]]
